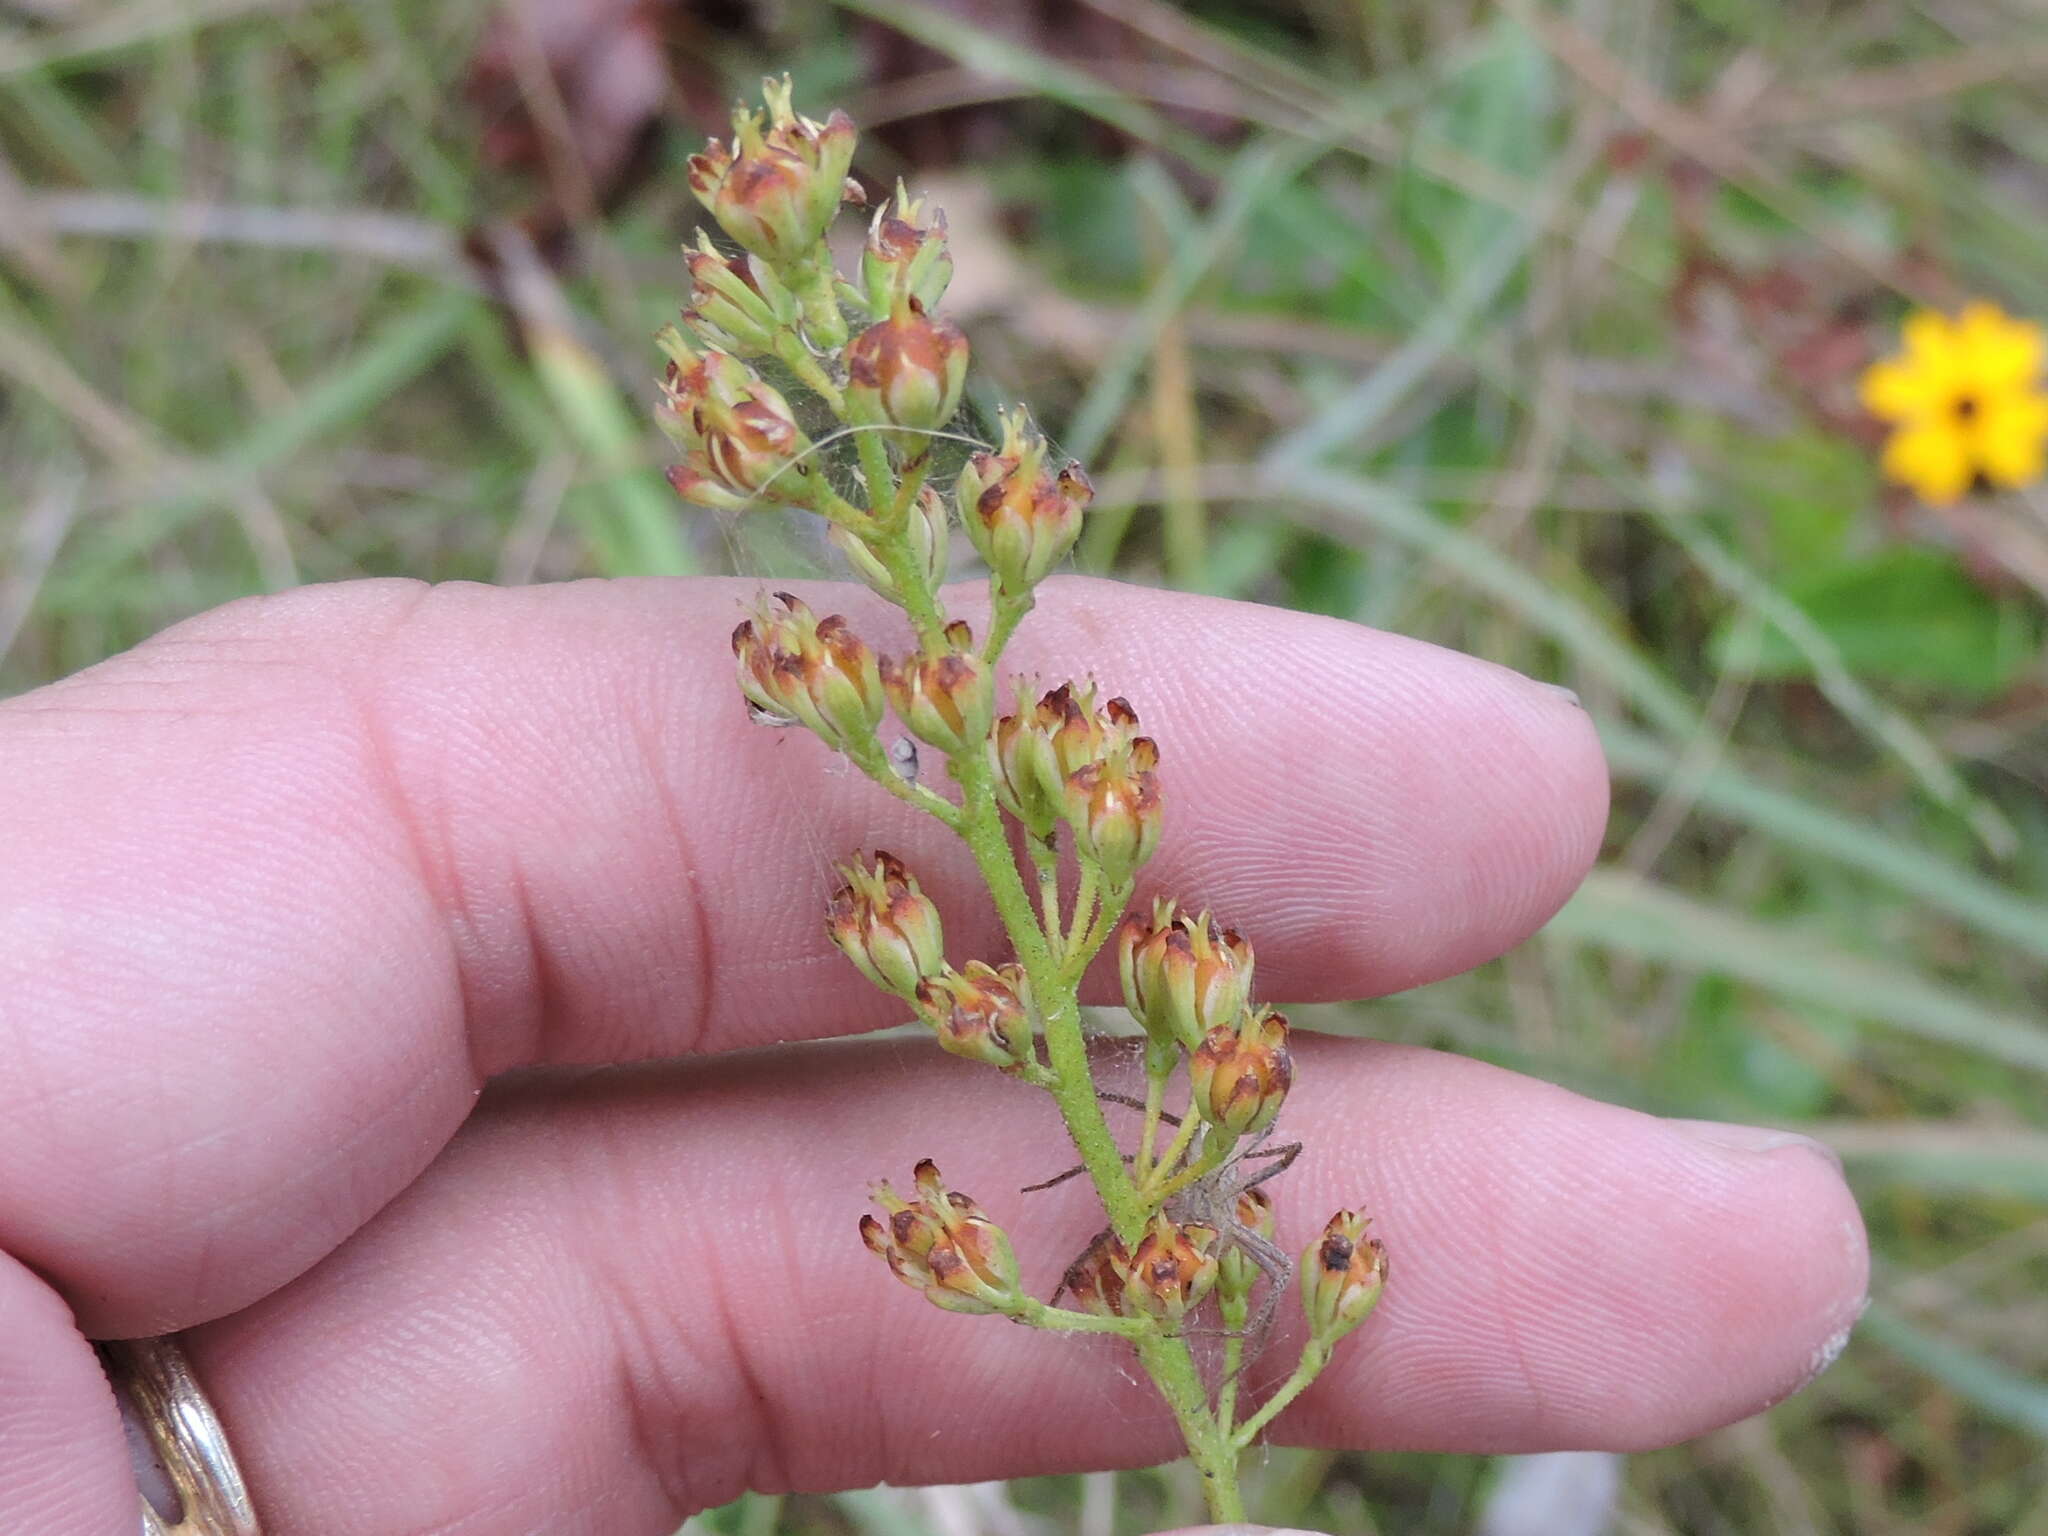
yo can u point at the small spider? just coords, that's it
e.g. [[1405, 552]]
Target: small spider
[[1212, 1201]]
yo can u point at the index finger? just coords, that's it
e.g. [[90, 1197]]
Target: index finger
[[281, 888]]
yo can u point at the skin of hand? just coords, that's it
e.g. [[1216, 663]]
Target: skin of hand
[[284, 889]]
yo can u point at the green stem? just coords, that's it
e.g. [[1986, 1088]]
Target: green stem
[[1084, 913], [1314, 1357], [1055, 987], [797, 358], [875, 470], [868, 758], [1236, 1312], [1176, 1149], [1155, 1105], [1005, 614], [1113, 905], [919, 601], [835, 508], [1215, 1152], [914, 474], [1063, 1320], [1047, 859], [1172, 1370]]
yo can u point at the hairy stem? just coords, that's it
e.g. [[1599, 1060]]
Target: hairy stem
[[1314, 1357]]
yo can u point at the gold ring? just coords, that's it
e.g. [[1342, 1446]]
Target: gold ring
[[156, 1378]]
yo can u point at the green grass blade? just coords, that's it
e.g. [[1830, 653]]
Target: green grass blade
[[1799, 823], [1368, 402], [1651, 922], [412, 341], [1358, 503], [2016, 1399], [1255, 171]]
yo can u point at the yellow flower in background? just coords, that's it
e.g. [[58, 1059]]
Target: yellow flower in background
[[1966, 400]]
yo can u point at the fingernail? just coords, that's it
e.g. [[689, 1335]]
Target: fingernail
[[1569, 695], [1756, 1139]]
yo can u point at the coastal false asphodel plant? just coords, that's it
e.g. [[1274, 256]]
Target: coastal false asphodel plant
[[1187, 1255]]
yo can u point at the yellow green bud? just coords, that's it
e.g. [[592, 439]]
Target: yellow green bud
[[1342, 1275], [905, 256], [796, 668], [1240, 1076], [1022, 516], [1182, 975], [887, 926], [947, 700]]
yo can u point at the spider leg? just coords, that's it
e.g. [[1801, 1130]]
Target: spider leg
[[1285, 1156], [1061, 1178], [1058, 1178], [1130, 1103]]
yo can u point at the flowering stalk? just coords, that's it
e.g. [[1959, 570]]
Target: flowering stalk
[[1067, 775]]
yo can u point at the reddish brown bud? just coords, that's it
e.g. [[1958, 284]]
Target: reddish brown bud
[[944, 1245], [1039, 747], [736, 432], [907, 370], [795, 667], [1342, 1275], [905, 256], [1096, 1279], [947, 700], [1183, 975], [1170, 1270], [1240, 1076], [1022, 516], [1114, 808], [887, 926], [774, 190], [982, 1013]]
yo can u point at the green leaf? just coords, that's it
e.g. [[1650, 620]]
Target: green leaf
[[1907, 615]]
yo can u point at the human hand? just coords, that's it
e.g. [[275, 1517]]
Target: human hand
[[281, 889]]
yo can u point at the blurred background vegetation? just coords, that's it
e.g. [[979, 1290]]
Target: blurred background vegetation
[[1531, 329]]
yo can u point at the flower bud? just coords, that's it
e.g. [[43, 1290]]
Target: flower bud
[[887, 926], [1114, 808], [905, 256], [944, 1245], [1240, 1076], [1342, 1276], [1170, 1270], [737, 302], [1022, 516], [736, 432], [1096, 1279], [1039, 747], [981, 1013], [947, 700], [1238, 1272], [906, 371], [776, 188], [797, 668], [930, 533], [1183, 976]]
